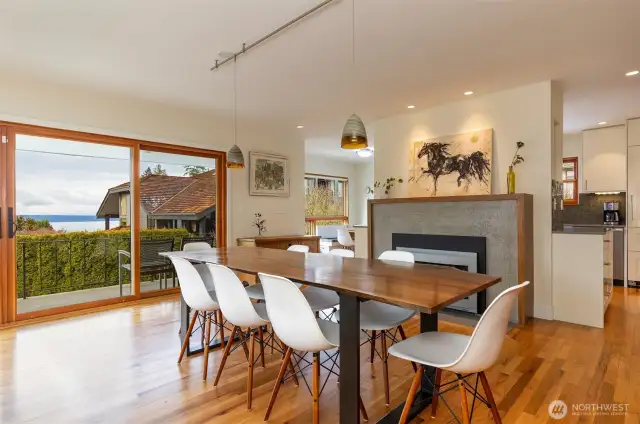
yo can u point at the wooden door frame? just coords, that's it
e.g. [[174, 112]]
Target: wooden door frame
[[6, 315], [8, 294]]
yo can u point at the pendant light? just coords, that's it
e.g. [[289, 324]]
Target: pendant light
[[354, 134], [235, 158]]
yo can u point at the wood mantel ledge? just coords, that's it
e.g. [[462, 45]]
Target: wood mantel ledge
[[443, 199]]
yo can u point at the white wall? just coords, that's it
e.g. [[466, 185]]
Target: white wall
[[523, 113], [572, 147], [41, 103], [364, 179]]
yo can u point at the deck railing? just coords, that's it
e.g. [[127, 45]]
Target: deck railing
[[59, 266]]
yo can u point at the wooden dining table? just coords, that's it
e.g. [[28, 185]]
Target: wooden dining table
[[424, 288]]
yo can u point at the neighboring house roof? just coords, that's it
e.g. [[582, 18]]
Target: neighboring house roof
[[164, 195]]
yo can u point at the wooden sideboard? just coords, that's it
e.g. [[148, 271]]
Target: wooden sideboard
[[281, 242]]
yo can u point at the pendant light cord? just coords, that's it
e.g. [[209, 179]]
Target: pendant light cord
[[353, 53], [235, 104]]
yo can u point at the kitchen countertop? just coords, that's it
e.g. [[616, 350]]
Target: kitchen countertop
[[596, 225], [596, 229]]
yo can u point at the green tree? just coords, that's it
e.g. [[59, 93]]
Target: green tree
[[193, 170], [321, 202], [157, 170], [30, 224]]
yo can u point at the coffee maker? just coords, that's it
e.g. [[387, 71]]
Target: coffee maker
[[611, 213]]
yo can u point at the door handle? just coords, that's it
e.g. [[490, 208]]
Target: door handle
[[632, 209], [13, 226], [0, 222], [586, 186]]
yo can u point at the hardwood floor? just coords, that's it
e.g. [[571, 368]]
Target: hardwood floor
[[119, 365]]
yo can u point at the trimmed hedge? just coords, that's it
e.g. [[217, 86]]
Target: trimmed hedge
[[64, 262]]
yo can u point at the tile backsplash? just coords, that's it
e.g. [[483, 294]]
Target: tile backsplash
[[590, 208]]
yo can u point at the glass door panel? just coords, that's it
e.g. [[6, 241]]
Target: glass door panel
[[72, 242], [177, 206]]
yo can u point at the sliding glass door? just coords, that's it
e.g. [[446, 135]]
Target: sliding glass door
[[178, 206], [66, 248], [83, 217]]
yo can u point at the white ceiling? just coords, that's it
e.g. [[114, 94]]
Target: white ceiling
[[422, 52]]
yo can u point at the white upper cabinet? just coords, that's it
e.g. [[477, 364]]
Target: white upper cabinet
[[633, 208], [604, 158], [633, 131]]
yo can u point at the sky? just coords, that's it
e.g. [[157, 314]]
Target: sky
[[60, 177]]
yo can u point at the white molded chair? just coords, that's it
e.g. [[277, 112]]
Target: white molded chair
[[202, 301], [298, 248], [241, 313], [461, 354], [297, 327], [343, 252], [319, 299], [196, 245], [378, 318], [208, 282], [344, 238]]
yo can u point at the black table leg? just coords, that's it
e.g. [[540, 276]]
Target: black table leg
[[349, 359], [428, 322], [185, 311]]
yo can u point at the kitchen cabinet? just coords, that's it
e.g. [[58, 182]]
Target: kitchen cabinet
[[582, 277], [633, 218], [604, 157], [633, 272], [633, 132]]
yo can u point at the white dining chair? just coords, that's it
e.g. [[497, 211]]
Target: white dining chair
[[345, 253], [344, 238], [203, 302], [379, 318], [461, 354], [208, 282], [319, 299], [298, 248], [242, 314], [297, 327]]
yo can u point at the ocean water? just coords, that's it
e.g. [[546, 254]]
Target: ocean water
[[72, 223]]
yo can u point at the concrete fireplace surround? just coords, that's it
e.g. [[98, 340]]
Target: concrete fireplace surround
[[506, 221]]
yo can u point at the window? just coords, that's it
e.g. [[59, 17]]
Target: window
[[570, 181], [325, 201]]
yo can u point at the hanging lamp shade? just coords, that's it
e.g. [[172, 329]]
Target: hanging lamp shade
[[235, 158], [354, 134]]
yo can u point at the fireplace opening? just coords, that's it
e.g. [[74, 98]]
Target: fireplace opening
[[466, 253]]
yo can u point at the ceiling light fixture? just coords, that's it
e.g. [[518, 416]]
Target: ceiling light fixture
[[632, 73], [354, 134], [365, 153], [410, 107], [602, 123], [468, 93], [235, 158], [300, 127]]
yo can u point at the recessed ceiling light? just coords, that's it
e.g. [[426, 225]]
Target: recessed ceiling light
[[410, 107], [602, 122], [365, 153], [632, 73], [468, 93], [300, 126]]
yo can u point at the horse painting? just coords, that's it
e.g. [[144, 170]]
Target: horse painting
[[435, 160]]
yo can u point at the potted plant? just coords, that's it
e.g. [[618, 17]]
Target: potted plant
[[511, 175], [260, 223], [381, 190]]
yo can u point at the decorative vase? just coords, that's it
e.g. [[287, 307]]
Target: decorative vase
[[511, 181]]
